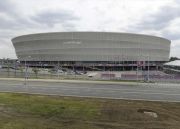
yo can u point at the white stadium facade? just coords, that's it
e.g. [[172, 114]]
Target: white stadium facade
[[92, 50]]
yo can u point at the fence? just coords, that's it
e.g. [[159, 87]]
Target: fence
[[104, 73]]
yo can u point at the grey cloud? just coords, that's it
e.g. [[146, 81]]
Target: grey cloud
[[65, 18], [10, 18], [171, 35], [5, 6], [5, 24], [161, 19], [14, 24], [8, 7], [158, 20]]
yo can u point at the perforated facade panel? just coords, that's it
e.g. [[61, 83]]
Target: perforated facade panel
[[91, 46]]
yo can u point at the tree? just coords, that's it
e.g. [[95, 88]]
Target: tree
[[35, 70], [173, 58]]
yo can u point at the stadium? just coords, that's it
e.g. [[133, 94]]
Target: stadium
[[92, 50]]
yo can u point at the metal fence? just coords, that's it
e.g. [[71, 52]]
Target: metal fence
[[17, 70]]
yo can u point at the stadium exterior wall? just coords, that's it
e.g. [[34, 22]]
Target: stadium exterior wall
[[91, 46]]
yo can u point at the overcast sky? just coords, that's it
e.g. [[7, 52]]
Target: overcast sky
[[154, 17]]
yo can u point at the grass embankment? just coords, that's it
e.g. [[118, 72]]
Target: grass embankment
[[21, 111]]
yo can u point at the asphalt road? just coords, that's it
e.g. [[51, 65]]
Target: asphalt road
[[154, 92]]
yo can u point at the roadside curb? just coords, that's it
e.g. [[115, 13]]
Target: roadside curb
[[72, 81], [90, 82]]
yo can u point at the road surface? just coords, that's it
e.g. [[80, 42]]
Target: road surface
[[154, 92]]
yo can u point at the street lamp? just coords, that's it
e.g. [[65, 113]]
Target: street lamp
[[56, 62], [26, 68], [148, 68], [58, 67]]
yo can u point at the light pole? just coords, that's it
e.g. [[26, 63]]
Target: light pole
[[137, 68], [56, 62], [58, 69], [25, 74], [15, 67], [26, 68], [148, 69]]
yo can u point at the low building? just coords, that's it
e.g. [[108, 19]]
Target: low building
[[172, 67]]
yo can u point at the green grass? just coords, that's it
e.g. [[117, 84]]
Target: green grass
[[22, 111]]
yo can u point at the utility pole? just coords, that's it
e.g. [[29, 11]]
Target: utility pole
[[25, 73], [148, 68], [58, 69], [26, 70]]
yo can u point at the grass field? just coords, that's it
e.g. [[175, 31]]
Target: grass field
[[21, 111]]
